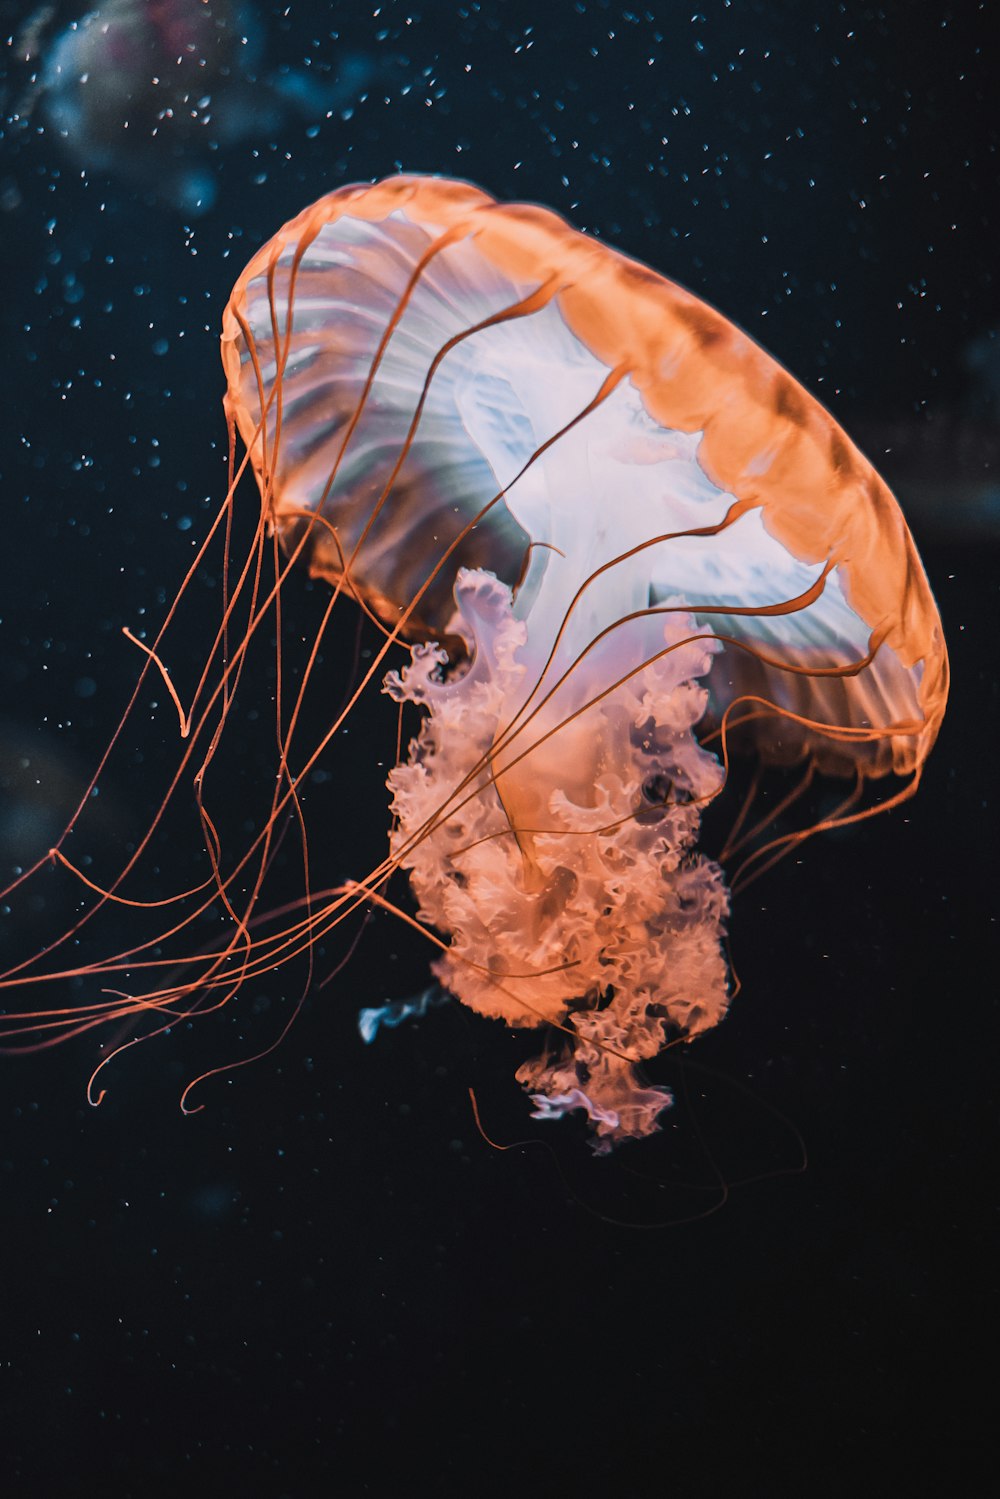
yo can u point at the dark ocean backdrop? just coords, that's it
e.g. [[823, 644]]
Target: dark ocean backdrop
[[326, 1281]]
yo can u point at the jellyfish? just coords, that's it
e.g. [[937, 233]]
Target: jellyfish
[[608, 544], [620, 540], [146, 89]]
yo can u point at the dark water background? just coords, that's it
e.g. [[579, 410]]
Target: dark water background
[[326, 1281]]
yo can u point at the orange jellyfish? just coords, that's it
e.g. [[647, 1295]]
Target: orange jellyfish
[[618, 532], [619, 542]]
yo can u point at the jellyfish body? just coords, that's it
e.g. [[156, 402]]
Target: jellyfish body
[[610, 526], [146, 89]]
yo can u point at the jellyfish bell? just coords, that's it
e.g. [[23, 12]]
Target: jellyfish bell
[[619, 540], [146, 90]]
